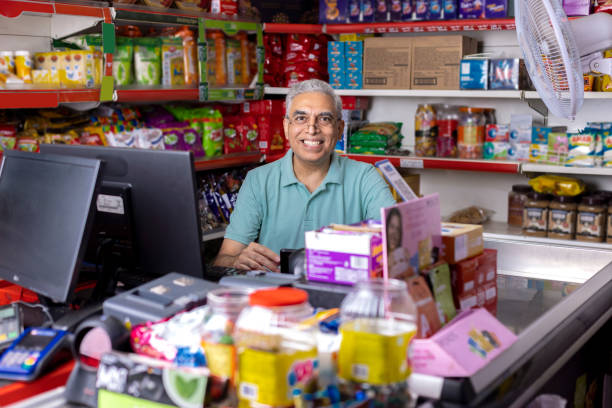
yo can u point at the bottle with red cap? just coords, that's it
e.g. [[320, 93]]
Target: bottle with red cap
[[276, 354]]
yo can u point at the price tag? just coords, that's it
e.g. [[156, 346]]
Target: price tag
[[411, 164]]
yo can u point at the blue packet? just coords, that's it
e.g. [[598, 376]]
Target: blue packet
[[354, 11], [434, 10], [407, 10], [381, 13], [420, 10], [395, 10], [450, 9], [367, 11]]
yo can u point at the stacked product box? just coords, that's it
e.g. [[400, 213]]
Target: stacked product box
[[473, 268], [344, 254], [520, 137], [354, 64], [336, 60], [474, 73], [497, 141], [495, 74]]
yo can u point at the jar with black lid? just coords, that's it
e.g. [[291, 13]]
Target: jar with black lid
[[535, 214], [590, 222], [562, 217]]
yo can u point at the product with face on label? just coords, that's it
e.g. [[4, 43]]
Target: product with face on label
[[312, 127]]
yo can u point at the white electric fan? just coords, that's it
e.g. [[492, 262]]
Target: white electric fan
[[558, 51]]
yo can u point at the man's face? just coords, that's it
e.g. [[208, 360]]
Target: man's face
[[312, 127]]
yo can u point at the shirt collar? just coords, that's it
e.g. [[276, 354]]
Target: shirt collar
[[334, 174]]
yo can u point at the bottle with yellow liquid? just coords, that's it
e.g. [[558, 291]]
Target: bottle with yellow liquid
[[378, 321]]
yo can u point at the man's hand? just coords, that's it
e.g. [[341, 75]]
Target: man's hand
[[252, 257]]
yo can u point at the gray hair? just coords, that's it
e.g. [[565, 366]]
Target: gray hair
[[313, 85]]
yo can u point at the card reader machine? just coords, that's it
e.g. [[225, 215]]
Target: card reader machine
[[31, 352]]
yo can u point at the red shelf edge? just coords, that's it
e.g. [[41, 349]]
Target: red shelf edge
[[227, 161], [423, 26], [42, 98], [140, 95], [282, 28], [441, 164], [14, 8]]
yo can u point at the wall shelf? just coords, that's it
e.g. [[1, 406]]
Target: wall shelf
[[411, 162], [45, 98]]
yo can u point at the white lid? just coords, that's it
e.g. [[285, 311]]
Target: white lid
[[6, 53], [22, 53]]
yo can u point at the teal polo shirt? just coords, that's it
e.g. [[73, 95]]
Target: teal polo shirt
[[275, 209]]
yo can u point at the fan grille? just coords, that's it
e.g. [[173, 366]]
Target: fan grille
[[550, 54]]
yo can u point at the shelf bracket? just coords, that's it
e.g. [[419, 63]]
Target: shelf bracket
[[537, 105]]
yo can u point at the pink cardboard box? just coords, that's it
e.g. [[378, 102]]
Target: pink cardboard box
[[461, 348]]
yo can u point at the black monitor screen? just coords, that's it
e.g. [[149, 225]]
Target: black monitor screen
[[45, 211], [164, 205]]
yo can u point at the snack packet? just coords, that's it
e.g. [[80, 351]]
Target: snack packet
[[122, 61], [581, 152], [212, 132], [173, 64], [232, 142], [147, 61], [558, 185]]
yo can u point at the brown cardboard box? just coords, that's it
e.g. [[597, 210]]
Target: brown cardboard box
[[386, 62], [436, 60], [460, 241]]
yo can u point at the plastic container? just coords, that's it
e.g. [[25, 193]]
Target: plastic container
[[425, 131], [218, 331], [471, 133], [447, 119], [535, 214], [516, 203], [591, 219], [276, 354], [562, 217], [378, 322]]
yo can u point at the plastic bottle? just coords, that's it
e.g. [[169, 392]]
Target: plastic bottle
[[447, 119], [470, 133]]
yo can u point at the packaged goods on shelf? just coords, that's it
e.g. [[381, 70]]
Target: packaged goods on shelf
[[376, 138], [558, 185], [508, 73], [577, 7], [305, 57], [557, 148], [425, 131], [344, 254], [581, 149], [218, 192], [226, 8], [386, 62], [474, 74], [497, 133], [470, 9], [333, 12], [444, 72], [497, 8]]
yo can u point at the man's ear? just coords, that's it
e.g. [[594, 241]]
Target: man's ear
[[341, 125], [286, 127]]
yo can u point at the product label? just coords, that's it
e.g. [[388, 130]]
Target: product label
[[221, 359], [562, 222], [267, 378], [373, 358], [590, 224], [535, 219]]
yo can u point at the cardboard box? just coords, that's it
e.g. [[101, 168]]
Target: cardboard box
[[387, 62], [343, 257], [463, 277], [487, 263], [436, 61], [460, 241], [497, 133]]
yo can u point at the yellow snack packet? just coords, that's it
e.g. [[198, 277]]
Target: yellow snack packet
[[558, 185]]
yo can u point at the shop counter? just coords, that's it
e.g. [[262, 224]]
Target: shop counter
[[554, 297]]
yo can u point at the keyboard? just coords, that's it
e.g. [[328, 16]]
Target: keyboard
[[214, 273]]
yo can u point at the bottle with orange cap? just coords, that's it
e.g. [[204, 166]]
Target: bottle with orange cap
[[276, 354]]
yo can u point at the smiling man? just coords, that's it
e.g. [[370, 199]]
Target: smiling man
[[310, 187]]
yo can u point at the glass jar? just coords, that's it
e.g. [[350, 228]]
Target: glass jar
[[490, 118], [562, 217], [378, 321], [276, 355], [470, 133], [535, 214], [591, 219], [425, 131], [516, 203], [217, 333], [447, 118]]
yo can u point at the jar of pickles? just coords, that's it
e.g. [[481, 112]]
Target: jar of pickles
[[276, 354], [470, 133], [378, 320], [217, 334], [425, 131]]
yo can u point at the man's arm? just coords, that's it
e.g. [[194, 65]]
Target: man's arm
[[251, 257]]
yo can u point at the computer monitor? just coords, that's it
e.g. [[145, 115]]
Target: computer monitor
[[46, 214], [161, 185]]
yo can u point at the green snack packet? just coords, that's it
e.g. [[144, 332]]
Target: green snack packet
[[440, 278], [122, 61], [147, 61], [367, 150], [212, 132]]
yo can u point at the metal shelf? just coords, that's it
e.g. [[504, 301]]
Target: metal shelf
[[441, 163], [413, 93], [395, 27], [548, 168], [45, 98]]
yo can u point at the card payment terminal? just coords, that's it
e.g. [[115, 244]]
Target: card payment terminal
[[26, 358]]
